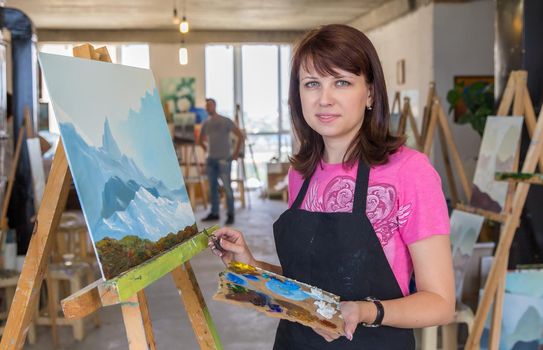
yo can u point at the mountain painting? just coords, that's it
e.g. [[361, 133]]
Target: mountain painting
[[121, 158], [465, 229], [498, 150], [522, 321]]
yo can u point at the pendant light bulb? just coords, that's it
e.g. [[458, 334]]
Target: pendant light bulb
[[183, 56], [176, 20], [184, 26]]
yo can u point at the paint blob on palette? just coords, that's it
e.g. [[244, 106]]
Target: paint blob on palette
[[280, 297]]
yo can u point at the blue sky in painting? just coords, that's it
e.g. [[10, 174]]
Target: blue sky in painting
[[115, 90], [119, 148]]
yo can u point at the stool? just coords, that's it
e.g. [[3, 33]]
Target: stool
[[73, 263], [193, 185], [8, 282], [240, 186], [449, 332]]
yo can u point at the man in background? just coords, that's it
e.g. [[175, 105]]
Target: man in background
[[216, 131]]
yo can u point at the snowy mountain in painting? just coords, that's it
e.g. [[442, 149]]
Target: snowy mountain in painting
[[130, 202], [148, 214]]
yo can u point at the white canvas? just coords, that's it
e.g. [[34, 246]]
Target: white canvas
[[499, 147], [36, 167]]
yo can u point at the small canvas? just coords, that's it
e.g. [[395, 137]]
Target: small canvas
[[36, 168], [279, 297], [499, 148], [184, 127], [413, 96], [465, 229], [522, 321], [178, 93], [122, 159]]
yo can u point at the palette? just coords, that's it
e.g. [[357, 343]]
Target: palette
[[279, 297]]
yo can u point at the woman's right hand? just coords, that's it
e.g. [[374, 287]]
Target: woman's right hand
[[234, 247]]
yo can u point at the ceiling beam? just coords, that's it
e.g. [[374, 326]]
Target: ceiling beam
[[386, 13], [167, 36]]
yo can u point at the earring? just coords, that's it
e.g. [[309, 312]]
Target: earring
[[369, 108]]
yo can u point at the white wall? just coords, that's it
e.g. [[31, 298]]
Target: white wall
[[437, 42], [164, 62], [463, 45], [409, 38]]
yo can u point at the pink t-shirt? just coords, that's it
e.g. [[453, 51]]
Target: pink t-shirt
[[405, 202]]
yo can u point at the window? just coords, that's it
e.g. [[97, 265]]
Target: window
[[219, 72], [255, 77], [135, 55]]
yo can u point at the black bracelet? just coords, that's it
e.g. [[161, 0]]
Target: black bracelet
[[380, 313]]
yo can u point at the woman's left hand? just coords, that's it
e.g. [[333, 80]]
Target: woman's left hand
[[351, 313]]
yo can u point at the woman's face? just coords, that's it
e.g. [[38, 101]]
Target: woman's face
[[334, 106]]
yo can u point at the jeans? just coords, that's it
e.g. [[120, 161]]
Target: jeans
[[215, 169]]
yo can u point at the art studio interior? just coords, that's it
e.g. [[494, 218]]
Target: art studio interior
[[241, 175]]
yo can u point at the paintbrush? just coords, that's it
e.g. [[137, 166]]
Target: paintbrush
[[215, 240]]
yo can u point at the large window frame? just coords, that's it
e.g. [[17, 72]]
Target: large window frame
[[283, 132]]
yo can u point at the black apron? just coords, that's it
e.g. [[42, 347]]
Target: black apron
[[340, 253]]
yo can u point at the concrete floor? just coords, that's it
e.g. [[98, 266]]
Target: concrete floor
[[238, 329]]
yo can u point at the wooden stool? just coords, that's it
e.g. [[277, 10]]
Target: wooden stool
[[8, 282], [197, 190], [240, 186], [449, 332], [73, 266]]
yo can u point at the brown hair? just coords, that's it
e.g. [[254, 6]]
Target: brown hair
[[328, 48]]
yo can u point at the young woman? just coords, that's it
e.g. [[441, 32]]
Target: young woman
[[365, 212]]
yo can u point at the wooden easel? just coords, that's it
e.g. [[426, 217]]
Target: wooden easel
[[191, 160], [437, 119], [406, 114], [101, 293], [25, 129], [241, 174], [434, 117], [515, 94]]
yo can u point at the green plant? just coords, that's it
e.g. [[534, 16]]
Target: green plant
[[472, 104]]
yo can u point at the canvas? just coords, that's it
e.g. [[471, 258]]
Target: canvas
[[36, 168], [465, 229], [122, 159], [499, 147], [178, 93], [279, 297], [184, 127], [522, 322], [413, 96]]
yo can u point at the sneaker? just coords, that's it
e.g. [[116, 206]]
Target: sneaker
[[211, 217], [229, 220]]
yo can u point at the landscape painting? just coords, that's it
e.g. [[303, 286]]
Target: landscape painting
[[522, 321], [279, 297], [121, 158], [184, 124], [498, 150], [465, 229]]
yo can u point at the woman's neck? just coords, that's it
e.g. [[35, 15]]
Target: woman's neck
[[334, 150]]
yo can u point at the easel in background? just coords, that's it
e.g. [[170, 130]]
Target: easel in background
[[25, 130], [241, 173], [516, 94], [9, 278], [190, 159], [434, 117], [91, 298], [406, 113]]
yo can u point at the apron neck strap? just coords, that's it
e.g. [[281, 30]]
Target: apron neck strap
[[301, 194], [361, 188], [360, 192]]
